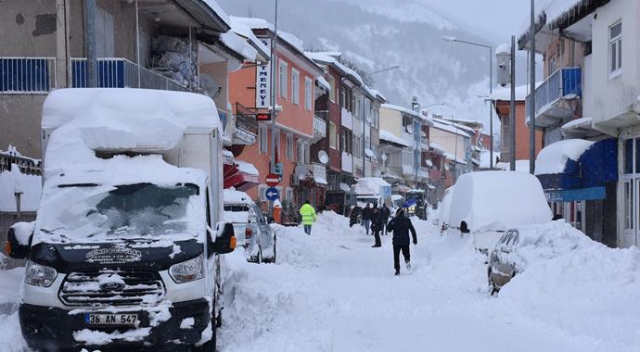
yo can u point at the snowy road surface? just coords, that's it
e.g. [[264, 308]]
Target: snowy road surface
[[333, 292]]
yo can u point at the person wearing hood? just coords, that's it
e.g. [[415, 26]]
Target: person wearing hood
[[401, 225]]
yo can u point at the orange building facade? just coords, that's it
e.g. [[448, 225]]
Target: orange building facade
[[503, 109]]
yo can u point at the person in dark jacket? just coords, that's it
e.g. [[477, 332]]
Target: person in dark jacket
[[386, 214], [401, 225], [376, 224], [355, 214], [366, 217]]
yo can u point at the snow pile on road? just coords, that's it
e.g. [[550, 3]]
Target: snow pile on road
[[587, 289], [332, 224]]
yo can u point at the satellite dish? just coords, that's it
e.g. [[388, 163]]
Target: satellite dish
[[323, 157], [345, 187], [383, 157], [209, 85]]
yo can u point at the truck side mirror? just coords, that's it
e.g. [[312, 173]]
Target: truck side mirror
[[15, 248], [225, 239]]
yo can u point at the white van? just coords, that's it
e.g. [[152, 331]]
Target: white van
[[125, 247]]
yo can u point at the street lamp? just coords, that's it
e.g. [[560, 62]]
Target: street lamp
[[383, 70], [456, 40]]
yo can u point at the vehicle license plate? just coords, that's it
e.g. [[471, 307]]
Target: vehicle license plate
[[111, 319]]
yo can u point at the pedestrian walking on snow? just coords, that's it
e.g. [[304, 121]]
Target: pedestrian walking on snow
[[401, 225], [367, 212], [308, 214], [376, 224], [386, 214]]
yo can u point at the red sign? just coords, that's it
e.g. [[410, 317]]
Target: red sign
[[272, 180], [263, 117]]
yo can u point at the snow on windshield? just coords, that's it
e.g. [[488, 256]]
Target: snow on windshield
[[89, 213]]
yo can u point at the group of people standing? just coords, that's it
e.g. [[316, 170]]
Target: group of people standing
[[375, 221]]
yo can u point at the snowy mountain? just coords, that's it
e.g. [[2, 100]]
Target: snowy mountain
[[376, 34]]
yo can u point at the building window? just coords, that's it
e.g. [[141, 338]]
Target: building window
[[332, 83], [283, 79], [615, 47], [289, 146], [295, 86], [262, 190], [308, 96], [289, 194], [300, 157], [263, 139], [333, 136], [553, 65]]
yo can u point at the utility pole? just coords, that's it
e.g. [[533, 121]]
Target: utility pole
[[89, 8], [532, 94], [491, 107], [512, 108], [274, 113]]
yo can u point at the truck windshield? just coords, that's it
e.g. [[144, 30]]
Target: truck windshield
[[91, 213]]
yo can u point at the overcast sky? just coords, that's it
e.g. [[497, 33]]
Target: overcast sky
[[500, 18]]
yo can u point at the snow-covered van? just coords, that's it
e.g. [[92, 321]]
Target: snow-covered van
[[372, 190], [488, 203], [125, 247]]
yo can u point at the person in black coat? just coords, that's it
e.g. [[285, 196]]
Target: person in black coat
[[401, 225], [367, 212], [386, 214], [355, 214], [377, 224]]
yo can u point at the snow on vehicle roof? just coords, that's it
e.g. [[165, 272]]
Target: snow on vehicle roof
[[498, 200], [231, 196], [553, 158], [370, 185]]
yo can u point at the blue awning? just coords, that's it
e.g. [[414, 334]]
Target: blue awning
[[596, 166], [573, 195]]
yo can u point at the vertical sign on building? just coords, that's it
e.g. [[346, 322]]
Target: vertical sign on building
[[263, 80]]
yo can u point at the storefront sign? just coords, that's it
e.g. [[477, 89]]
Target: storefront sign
[[263, 80]]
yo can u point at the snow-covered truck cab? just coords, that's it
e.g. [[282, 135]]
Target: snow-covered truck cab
[[126, 243]]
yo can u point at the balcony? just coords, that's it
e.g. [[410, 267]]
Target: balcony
[[556, 97], [347, 118], [319, 128], [318, 173], [121, 73], [27, 75]]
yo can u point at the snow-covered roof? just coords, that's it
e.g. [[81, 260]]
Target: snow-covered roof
[[234, 42], [322, 82], [231, 196], [549, 11], [552, 159], [370, 185], [292, 39], [403, 110], [244, 31], [437, 147], [247, 168], [390, 137], [251, 22], [459, 125], [492, 200], [438, 124]]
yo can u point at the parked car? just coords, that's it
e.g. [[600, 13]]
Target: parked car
[[417, 203], [486, 204], [523, 246], [250, 226]]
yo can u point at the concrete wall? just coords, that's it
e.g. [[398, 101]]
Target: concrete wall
[[20, 123], [615, 95]]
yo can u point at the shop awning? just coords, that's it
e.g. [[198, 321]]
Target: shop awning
[[575, 169], [241, 175]]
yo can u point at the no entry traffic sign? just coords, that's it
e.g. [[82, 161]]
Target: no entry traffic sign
[[272, 180]]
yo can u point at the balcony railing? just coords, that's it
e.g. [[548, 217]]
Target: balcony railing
[[565, 83], [319, 128], [27, 75], [347, 162], [347, 118], [120, 73], [318, 171]]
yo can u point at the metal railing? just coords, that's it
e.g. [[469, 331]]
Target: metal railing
[[562, 83], [318, 170], [120, 73], [27, 75], [319, 127]]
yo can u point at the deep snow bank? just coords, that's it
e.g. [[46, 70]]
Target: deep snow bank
[[581, 286]]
